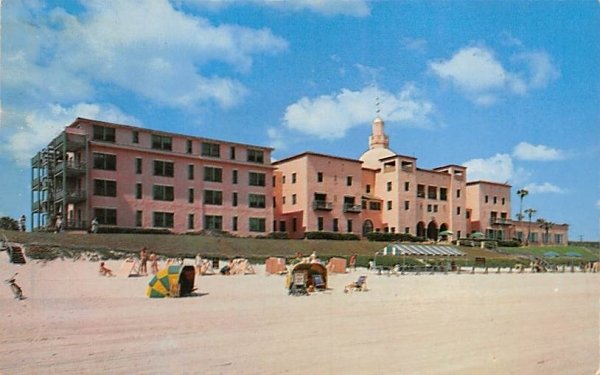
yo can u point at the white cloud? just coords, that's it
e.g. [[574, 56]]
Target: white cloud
[[546, 187], [477, 72], [41, 126], [498, 168], [414, 44], [158, 53], [598, 203], [354, 8], [526, 151], [330, 116]]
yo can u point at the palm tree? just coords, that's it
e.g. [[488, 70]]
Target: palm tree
[[546, 226], [521, 193], [530, 212]]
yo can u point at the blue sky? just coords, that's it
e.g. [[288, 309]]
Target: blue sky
[[508, 88]]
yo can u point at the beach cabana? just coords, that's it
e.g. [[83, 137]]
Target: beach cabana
[[172, 281], [309, 271]]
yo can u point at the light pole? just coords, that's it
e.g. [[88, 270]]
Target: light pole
[[530, 212], [521, 193]]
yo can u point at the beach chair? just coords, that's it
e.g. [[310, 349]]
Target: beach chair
[[318, 282], [359, 285], [298, 287]]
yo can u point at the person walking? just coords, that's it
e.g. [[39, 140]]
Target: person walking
[[94, 226], [144, 261], [22, 222]]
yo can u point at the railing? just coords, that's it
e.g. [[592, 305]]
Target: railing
[[351, 207], [71, 195], [322, 205], [500, 221], [71, 165], [78, 225]]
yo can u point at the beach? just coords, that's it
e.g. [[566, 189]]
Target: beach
[[74, 321]]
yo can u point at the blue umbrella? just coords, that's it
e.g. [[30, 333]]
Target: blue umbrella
[[551, 254], [573, 254]]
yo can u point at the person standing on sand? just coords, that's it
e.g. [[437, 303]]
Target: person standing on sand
[[153, 263], [352, 262], [144, 261]]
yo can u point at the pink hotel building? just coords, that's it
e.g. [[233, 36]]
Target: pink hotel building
[[139, 178]]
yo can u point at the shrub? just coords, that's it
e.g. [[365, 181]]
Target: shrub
[[512, 243], [122, 230], [331, 236], [278, 235], [391, 237]]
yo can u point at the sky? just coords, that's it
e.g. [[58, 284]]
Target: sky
[[510, 89]]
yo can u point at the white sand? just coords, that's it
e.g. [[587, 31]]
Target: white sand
[[76, 322]]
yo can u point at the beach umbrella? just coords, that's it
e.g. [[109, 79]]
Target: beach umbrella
[[165, 283], [551, 254], [477, 235], [573, 254], [446, 233]]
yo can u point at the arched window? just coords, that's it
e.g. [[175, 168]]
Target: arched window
[[367, 227]]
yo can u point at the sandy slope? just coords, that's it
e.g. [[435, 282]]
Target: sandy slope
[[75, 322]]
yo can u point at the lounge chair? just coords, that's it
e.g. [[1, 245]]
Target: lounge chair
[[359, 285], [318, 282], [298, 286]]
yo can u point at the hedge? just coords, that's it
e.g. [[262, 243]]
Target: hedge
[[331, 236]]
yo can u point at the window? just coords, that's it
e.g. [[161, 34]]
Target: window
[[212, 222], [431, 192], [283, 179], [294, 224], [190, 221], [107, 162], [429, 208], [443, 194], [274, 203], [138, 165], [161, 142], [135, 137], [458, 210], [162, 219], [138, 218], [190, 171], [293, 198], [234, 223], [420, 191], [256, 179], [256, 224], [319, 223], [234, 176], [349, 181], [188, 146], [283, 200], [106, 216], [435, 208], [406, 230], [213, 174], [457, 193], [487, 199], [375, 206], [293, 178], [104, 134], [558, 238], [232, 152], [406, 205], [368, 189], [335, 225], [164, 168], [282, 226], [105, 188], [213, 197], [162, 193], [349, 226], [190, 195], [138, 191], [319, 176], [389, 186], [211, 149], [503, 201], [495, 200], [273, 182], [406, 186], [389, 205], [256, 200], [234, 199], [256, 156]]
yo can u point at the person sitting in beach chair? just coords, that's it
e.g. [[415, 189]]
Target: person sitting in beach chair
[[318, 282], [359, 285], [299, 284], [104, 271]]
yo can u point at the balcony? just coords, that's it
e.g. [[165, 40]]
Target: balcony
[[322, 206], [352, 208], [72, 167], [71, 196], [500, 221]]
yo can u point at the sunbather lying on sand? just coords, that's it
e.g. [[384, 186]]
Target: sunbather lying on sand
[[104, 271]]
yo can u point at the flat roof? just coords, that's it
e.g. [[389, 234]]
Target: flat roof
[[309, 153], [112, 124], [488, 183]]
